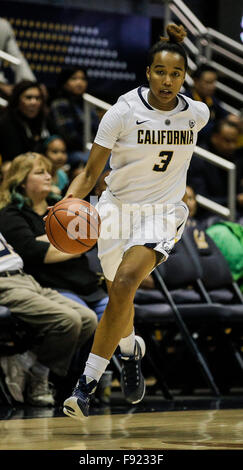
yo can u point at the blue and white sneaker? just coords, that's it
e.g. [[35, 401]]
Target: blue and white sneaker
[[132, 380], [77, 405]]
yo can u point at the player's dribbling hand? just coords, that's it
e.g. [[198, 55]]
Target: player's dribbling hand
[[49, 207]]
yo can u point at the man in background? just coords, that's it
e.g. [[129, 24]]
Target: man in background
[[9, 45]]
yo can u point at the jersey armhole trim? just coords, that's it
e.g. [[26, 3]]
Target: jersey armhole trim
[[142, 98], [186, 103]]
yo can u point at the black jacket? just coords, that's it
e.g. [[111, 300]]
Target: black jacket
[[210, 180], [16, 136], [21, 227], [216, 113]]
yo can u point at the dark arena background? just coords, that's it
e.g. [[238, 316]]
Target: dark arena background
[[189, 310]]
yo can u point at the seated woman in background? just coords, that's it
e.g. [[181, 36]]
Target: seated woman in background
[[54, 148], [24, 124], [24, 198]]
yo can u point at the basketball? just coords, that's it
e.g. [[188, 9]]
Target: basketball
[[73, 226]]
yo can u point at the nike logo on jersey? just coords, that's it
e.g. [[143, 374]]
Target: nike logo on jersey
[[141, 122]]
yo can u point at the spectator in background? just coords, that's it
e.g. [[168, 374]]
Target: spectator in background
[[59, 327], [24, 124], [55, 149], [238, 158], [24, 200], [210, 180], [22, 71], [204, 87], [192, 204], [197, 217], [67, 111], [228, 236], [76, 169], [223, 140], [238, 121]]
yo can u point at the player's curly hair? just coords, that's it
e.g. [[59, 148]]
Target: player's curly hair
[[172, 43], [176, 33]]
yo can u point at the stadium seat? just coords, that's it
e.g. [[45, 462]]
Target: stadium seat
[[184, 275]]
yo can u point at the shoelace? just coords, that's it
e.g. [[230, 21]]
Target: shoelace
[[130, 372], [77, 389], [83, 389]]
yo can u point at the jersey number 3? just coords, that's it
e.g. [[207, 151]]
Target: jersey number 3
[[165, 160]]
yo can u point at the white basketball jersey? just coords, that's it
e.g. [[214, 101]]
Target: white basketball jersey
[[151, 149]]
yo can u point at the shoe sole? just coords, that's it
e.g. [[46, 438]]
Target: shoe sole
[[142, 344], [72, 404], [140, 399]]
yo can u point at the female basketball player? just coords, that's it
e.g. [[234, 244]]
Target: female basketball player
[[151, 134]]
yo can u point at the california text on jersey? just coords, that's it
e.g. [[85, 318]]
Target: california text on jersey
[[161, 137]]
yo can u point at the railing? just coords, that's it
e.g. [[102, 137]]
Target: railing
[[13, 60], [230, 211], [205, 42], [90, 102], [10, 58]]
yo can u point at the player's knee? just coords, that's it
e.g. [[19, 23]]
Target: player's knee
[[123, 287]]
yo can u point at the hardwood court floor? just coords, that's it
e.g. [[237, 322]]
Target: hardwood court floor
[[166, 427]]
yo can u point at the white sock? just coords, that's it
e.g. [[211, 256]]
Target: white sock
[[95, 366], [127, 344]]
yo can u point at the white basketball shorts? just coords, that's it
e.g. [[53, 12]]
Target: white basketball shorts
[[157, 226]]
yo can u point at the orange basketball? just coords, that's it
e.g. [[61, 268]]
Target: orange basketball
[[73, 226]]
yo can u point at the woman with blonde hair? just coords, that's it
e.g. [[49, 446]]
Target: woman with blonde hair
[[12, 189], [24, 198]]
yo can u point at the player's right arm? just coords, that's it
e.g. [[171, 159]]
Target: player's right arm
[[85, 181]]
